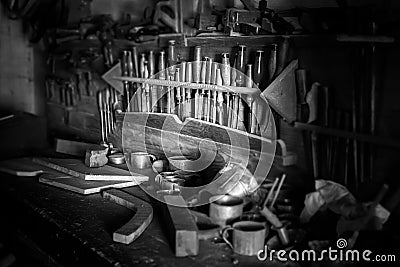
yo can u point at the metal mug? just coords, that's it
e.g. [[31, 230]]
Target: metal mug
[[248, 237], [225, 208], [141, 160]]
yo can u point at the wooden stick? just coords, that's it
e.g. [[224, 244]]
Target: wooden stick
[[278, 190]]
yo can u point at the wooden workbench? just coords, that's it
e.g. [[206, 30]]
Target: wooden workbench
[[56, 227]]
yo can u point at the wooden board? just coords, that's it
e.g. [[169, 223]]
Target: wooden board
[[181, 226], [196, 128], [139, 222], [70, 147], [83, 187], [77, 168], [23, 167]]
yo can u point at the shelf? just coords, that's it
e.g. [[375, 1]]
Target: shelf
[[376, 140]]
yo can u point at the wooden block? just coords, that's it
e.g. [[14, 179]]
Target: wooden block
[[96, 157], [181, 226], [83, 187], [70, 147], [138, 224], [77, 168]]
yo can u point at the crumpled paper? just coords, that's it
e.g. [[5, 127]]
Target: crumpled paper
[[336, 197]]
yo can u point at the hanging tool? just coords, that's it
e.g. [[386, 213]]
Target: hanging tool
[[182, 78], [220, 98], [226, 78], [142, 69], [162, 76], [189, 72], [272, 63], [89, 83], [135, 89], [101, 113], [250, 101], [172, 60], [240, 81], [153, 89], [178, 93], [197, 77], [125, 73]]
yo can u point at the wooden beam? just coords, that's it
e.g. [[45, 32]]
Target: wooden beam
[[377, 140], [181, 228], [139, 222]]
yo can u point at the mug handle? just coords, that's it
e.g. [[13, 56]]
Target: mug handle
[[225, 235]]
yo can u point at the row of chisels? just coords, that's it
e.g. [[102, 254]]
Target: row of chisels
[[234, 109], [68, 92], [107, 101]]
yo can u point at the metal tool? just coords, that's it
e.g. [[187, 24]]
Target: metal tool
[[162, 76], [125, 72], [153, 89], [100, 104], [226, 79], [220, 99], [272, 62], [189, 71]]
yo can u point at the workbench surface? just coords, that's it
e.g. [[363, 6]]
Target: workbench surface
[[64, 228]]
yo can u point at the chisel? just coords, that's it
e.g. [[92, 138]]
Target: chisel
[[178, 93], [220, 99], [226, 79], [131, 86], [197, 77], [162, 76], [189, 79], [124, 72], [136, 93], [147, 88], [182, 78], [272, 63], [141, 88], [200, 96], [257, 76], [250, 99], [240, 81], [153, 89], [172, 60], [240, 66], [100, 105], [232, 112]]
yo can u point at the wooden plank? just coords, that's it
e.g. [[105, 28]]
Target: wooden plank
[[70, 147], [281, 93], [80, 186], [23, 167], [77, 168], [365, 38], [195, 128], [140, 221], [181, 227]]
